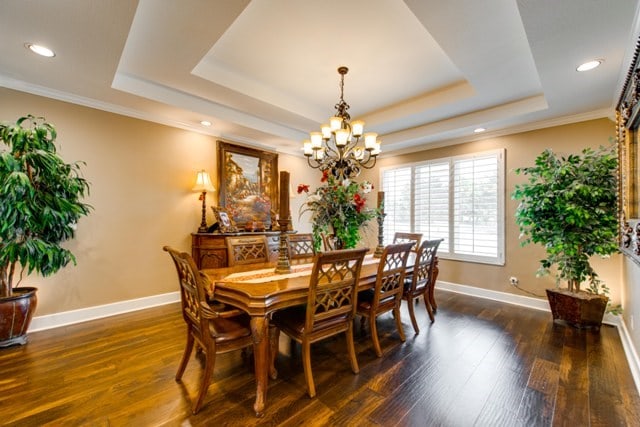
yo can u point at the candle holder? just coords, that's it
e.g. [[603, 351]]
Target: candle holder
[[380, 247], [283, 266]]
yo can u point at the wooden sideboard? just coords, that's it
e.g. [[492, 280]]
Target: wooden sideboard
[[209, 250]]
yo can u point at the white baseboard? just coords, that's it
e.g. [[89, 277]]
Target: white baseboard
[[542, 304], [629, 349], [41, 323], [524, 301]]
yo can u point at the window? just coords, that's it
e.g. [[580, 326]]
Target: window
[[459, 199]]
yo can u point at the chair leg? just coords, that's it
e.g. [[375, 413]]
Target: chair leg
[[306, 361], [206, 380], [430, 309], [399, 323], [374, 335], [412, 314], [274, 337], [352, 350], [185, 356]]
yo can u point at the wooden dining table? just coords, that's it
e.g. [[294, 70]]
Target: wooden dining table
[[237, 286]]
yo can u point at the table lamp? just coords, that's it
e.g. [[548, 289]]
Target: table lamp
[[203, 184]]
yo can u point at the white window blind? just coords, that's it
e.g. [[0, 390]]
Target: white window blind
[[397, 201], [432, 201], [458, 199]]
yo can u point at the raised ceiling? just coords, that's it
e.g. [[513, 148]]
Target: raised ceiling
[[422, 73]]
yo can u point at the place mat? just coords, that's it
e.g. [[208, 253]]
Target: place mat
[[269, 274]]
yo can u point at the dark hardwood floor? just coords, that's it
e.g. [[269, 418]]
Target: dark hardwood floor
[[482, 363]]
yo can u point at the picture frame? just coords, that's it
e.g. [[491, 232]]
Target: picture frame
[[224, 221], [628, 144], [248, 184]]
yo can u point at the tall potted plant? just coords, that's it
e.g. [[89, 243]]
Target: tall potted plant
[[569, 205], [40, 204]]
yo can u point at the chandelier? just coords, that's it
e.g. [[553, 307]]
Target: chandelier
[[336, 148]]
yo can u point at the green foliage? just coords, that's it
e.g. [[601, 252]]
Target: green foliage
[[569, 206], [41, 201], [338, 208]]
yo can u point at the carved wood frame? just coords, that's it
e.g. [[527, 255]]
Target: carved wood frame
[[267, 184], [627, 135]]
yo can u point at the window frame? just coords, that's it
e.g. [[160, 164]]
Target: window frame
[[499, 259]]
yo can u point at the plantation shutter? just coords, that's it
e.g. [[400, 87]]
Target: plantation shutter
[[475, 206], [397, 201], [432, 202]]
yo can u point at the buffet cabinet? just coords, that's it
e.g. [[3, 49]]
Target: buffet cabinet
[[209, 250]]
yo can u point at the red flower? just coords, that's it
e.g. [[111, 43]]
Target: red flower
[[359, 201], [303, 187], [325, 175]]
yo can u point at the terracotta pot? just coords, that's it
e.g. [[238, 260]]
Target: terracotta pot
[[16, 312], [581, 309]]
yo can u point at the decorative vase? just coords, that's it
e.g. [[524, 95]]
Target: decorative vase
[[578, 309], [16, 312]]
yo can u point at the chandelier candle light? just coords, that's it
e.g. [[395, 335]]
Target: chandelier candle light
[[203, 184], [336, 147]]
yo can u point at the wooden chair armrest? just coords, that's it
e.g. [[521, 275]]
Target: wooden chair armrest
[[208, 312], [211, 313], [231, 313]]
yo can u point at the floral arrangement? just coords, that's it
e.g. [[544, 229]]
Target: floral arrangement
[[338, 208]]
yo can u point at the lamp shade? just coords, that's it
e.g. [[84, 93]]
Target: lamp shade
[[203, 182]]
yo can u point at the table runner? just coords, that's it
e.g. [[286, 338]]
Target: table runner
[[269, 274]]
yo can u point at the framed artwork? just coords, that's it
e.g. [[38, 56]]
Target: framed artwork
[[225, 223], [627, 135], [248, 181]]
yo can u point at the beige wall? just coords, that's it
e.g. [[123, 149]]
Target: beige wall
[[141, 174], [522, 262]]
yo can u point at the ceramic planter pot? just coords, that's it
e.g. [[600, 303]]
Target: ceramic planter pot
[[16, 312], [582, 309]]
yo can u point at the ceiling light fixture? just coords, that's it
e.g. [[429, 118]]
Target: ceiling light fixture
[[590, 65], [479, 130], [205, 123], [40, 50], [335, 148]]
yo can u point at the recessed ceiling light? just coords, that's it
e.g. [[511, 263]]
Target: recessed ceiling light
[[205, 123], [590, 65], [478, 130], [40, 50]]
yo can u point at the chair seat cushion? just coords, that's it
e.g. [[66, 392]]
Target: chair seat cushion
[[292, 320], [365, 298], [227, 329], [419, 289]]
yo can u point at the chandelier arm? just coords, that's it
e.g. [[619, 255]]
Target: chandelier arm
[[317, 165], [364, 165]]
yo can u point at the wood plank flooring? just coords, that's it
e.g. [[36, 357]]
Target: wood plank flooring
[[482, 363]]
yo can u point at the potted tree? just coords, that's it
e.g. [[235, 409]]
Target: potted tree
[[569, 205], [40, 205]]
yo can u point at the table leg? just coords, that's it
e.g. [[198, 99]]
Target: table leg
[[260, 332], [434, 277]]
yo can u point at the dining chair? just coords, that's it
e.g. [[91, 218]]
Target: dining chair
[[328, 242], [402, 237], [301, 246], [211, 330], [419, 281], [247, 250], [387, 292], [330, 308]]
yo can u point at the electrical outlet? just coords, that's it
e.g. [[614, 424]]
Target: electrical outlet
[[513, 281]]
